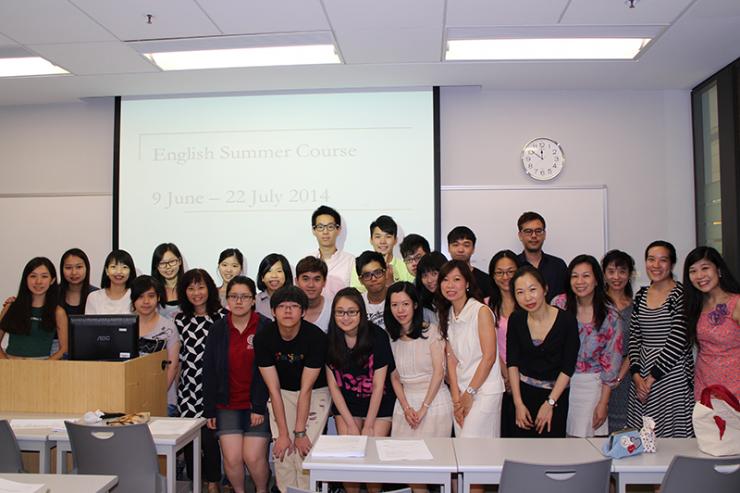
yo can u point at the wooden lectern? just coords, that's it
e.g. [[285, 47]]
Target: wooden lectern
[[139, 384]]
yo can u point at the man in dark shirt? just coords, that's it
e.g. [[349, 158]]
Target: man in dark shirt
[[532, 234], [461, 245], [291, 354]]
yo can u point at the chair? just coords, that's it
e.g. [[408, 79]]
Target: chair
[[592, 477], [125, 451], [692, 474], [10, 454]]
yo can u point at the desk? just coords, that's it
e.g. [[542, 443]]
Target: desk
[[69, 483], [650, 468], [36, 439], [370, 469], [481, 460], [167, 445]]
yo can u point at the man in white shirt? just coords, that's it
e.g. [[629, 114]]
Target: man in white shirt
[[371, 269], [327, 225], [310, 277]]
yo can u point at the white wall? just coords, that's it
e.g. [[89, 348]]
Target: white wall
[[65, 153], [638, 143]]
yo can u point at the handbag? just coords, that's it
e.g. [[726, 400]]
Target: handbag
[[716, 421], [623, 443]]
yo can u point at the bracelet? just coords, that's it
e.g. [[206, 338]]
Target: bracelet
[[299, 434], [426, 405]]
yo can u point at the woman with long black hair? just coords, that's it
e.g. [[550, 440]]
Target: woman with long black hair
[[713, 313]]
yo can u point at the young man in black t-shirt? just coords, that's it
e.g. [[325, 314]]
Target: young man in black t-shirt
[[291, 355], [461, 245]]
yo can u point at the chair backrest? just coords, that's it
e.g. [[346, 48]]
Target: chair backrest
[[10, 454], [692, 474], [125, 451], [518, 477]]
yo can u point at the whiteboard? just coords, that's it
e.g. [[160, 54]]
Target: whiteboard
[[576, 218], [47, 225]]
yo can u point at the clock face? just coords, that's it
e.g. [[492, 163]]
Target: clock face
[[543, 159]]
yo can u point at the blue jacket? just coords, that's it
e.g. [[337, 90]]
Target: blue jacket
[[216, 371]]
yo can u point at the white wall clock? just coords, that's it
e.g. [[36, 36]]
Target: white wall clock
[[543, 159]]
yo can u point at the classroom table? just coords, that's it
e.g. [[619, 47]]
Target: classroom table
[[481, 460], [68, 483], [370, 469], [166, 444], [36, 439], [650, 468]]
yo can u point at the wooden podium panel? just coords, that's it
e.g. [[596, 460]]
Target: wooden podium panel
[[64, 386]]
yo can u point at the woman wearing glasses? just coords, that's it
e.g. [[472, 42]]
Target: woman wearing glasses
[[167, 268], [234, 394], [502, 268], [359, 364]]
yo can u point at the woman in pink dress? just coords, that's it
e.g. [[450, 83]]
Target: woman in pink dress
[[502, 268], [713, 314]]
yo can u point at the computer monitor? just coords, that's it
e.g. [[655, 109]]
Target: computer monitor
[[103, 337]]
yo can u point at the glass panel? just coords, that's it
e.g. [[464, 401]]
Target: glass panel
[[712, 206]]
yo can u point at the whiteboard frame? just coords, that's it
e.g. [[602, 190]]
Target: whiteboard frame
[[603, 188]]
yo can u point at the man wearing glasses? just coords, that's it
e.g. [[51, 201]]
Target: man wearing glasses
[[532, 234], [413, 247], [327, 225], [291, 354], [371, 268]]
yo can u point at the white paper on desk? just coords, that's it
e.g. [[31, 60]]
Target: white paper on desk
[[170, 426], [403, 450], [30, 424], [339, 446], [14, 487]]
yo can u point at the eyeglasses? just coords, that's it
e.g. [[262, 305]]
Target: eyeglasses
[[169, 263], [240, 297], [347, 313], [530, 231], [326, 227], [289, 306], [376, 274], [413, 259], [504, 273]]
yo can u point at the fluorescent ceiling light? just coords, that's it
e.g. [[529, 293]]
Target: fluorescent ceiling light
[[545, 49], [24, 66], [245, 57]]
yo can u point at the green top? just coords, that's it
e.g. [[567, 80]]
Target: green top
[[34, 345]]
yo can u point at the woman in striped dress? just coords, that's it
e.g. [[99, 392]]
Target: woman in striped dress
[[660, 356], [200, 306]]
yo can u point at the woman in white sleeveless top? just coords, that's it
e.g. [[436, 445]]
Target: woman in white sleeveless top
[[473, 368]]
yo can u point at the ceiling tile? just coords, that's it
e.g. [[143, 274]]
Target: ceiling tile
[[95, 58], [382, 14], [171, 18], [390, 45], [503, 12], [48, 21], [259, 16], [616, 12]]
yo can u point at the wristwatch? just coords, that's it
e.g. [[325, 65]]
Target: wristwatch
[[471, 391], [551, 401]]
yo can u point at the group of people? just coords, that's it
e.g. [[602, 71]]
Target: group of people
[[420, 346]]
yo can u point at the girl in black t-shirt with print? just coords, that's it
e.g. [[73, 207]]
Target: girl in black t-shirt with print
[[359, 364]]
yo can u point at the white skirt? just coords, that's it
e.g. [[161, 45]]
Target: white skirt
[[585, 392], [484, 418]]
